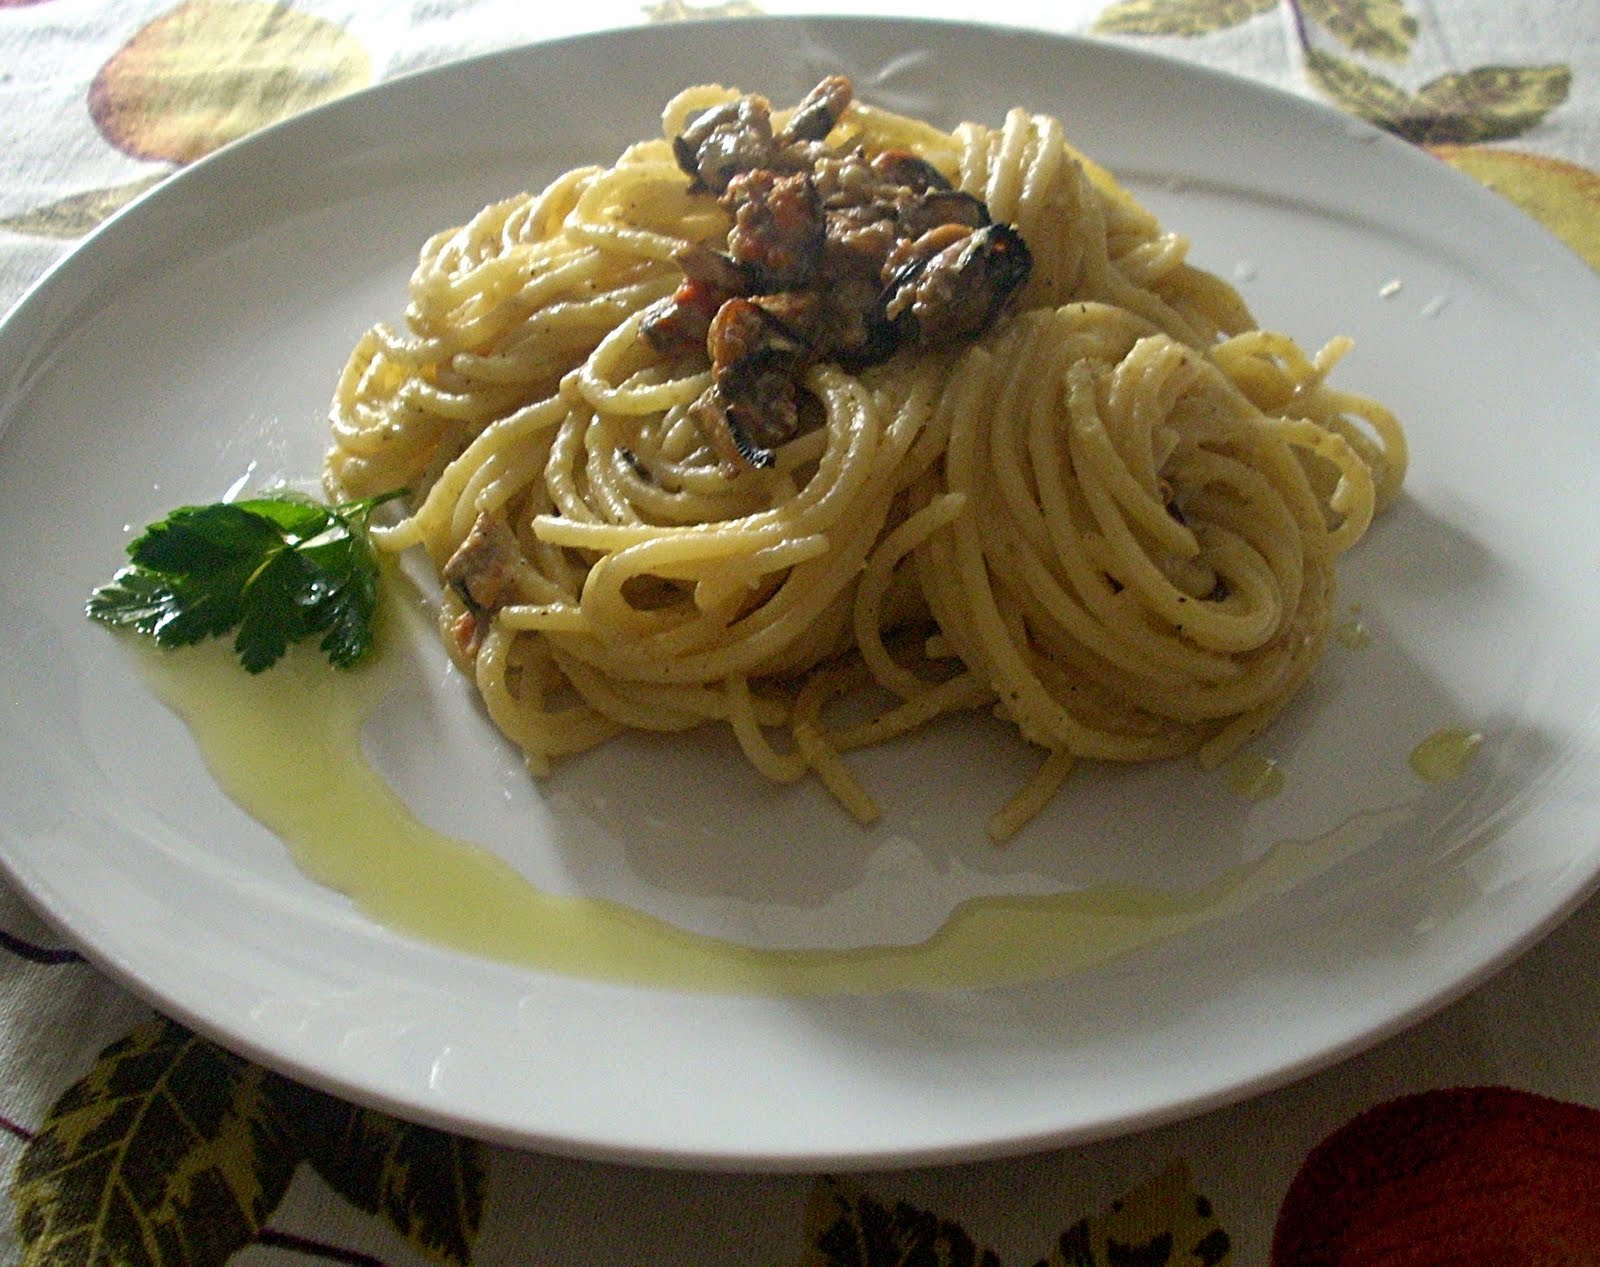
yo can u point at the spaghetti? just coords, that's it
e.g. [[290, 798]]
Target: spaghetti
[[1109, 511]]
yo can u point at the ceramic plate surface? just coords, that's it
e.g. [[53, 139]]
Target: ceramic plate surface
[[194, 342]]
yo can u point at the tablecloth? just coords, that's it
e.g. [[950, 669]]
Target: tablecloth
[[124, 1138]]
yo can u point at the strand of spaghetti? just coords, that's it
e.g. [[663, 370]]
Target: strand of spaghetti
[[811, 742], [889, 130], [959, 694], [640, 707], [1275, 373], [1110, 421], [778, 766], [542, 618], [875, 577], [808, 592], [1057, 564], [607, 383], [835, 775], [1020, 693], [603, 212], [739, 576], [1352, 498], [850, 445], [1241, 625], [1026, 804], [687, 103], [602, 454], [540, 733], [444, 512]]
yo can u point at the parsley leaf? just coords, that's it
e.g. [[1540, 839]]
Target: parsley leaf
[[276, 569]]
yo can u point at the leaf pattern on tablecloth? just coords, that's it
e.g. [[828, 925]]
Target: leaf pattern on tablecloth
[[1481, 103], [78, 214], [1562, 196], [203, 74], [1463, 1175], [1178, 17], [166, 1152], [1489, 103], [210, 71], [427, 1184], [847, 1226], [1161, 1223], [1377, 28], [683, 11], [33, 952], [173, 1151]]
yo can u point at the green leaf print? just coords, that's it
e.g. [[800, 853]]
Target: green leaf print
[[1489, 103], [848, 1227], [682, 11], [167, 1152], [74, 216], [1377, 28], [171, 1152], [1178, 17], [426, 1183], [1358, 90], [1484, 103], [1161, 1223]]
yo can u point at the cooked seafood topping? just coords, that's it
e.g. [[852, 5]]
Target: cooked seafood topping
[[952, 286], [482, 572], [834, 255]]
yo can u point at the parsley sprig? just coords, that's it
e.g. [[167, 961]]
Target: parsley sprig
[[277, 568]]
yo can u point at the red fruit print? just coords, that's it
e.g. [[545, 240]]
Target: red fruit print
[[1470, 1175]]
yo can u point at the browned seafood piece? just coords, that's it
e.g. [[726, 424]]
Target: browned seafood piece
[[483, 568], [778, 228], [958, 291], [833, 255], [680, 322], [482, 572], [701, 264], [724, 141], [750, 407], [935, 207], [820, 110], [902, 167]]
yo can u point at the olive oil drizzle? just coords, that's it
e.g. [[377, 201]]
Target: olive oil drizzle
[[1445, 754], [286, 747]]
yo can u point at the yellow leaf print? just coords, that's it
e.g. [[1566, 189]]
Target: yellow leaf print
[[1178, 17], [211, 71], [1378, 28], [1562, 196], [1163, 1222], [172, 1152], [682, 11], [77, 214], [167, 1141]]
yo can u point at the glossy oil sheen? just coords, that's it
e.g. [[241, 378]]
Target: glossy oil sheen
[[1445, 754], [286, 747], [1254, 778]]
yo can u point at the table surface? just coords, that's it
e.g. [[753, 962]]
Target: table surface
[[1472, 1137]]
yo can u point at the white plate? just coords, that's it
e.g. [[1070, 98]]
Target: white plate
[[200, 333]]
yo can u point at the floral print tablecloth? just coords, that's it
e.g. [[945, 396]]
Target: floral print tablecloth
[[124, 1138]]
